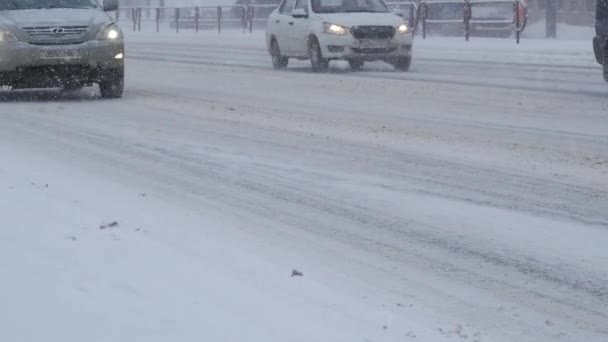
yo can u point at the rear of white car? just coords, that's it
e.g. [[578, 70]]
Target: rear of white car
[[324, 30]]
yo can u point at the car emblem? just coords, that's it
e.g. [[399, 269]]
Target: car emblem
[[58, 31]]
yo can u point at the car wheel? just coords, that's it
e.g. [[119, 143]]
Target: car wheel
[[356, 64], [318, 63], [112, 84], [403, 63], [604, 57], [278, 61]]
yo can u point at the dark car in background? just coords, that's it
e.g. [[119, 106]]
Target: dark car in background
[[601, 36]]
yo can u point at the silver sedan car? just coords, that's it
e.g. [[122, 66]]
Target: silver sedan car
[[61, 44]]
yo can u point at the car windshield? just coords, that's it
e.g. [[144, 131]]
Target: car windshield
[[347, 6], [7, 5]]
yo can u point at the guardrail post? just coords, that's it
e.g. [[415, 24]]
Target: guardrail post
[[517, 21], [139, 19], [196, 17], [244, 20], [158, 20], [551, 19], [177, 20], [468, 10], [423, 14], [250, 15], [219, 19], [134, 19]]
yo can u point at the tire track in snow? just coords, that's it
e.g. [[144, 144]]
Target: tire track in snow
[[510, 79]]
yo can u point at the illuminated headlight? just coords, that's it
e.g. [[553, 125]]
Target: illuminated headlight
[[110, 32], [334, 29], [403, 29], [113, 34], [7, 37]]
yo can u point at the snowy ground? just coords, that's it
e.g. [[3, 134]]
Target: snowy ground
[[466, 200], [537, 30]]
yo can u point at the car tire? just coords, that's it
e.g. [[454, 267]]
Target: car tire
[[356, 64], [317, 62], [112, 84], [598, 47], [605, 65], [403, 63], [279, 62]]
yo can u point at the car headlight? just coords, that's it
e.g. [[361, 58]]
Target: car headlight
[[403, 29], [110, 32], [334, 29], [7, 36]]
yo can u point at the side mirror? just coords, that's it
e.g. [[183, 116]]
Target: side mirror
[[110, 5], [299, 13]]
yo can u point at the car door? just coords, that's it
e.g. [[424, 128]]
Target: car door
[[299, 29], [281, 26]]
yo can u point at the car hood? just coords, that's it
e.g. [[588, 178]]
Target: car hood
[[50, 17], [361, 19]]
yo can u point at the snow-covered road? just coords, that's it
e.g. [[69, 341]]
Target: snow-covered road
[[535, 65], [462, 201]]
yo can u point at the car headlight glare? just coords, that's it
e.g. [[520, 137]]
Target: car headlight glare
[[334, 29], [403, 29], [7, 37], [110, 32], [113, 34]]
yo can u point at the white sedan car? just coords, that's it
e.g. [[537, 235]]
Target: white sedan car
[[324, 30]]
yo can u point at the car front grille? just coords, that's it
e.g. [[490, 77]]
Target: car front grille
[[373, 32], [374, 50], [50, 76], [56, 34]]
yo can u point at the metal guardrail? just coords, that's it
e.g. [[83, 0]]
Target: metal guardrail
[[252, 11], [518, 21], [179, 17], [416, 13]]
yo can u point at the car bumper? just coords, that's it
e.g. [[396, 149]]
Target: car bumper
[[347, 47], [92, 54]]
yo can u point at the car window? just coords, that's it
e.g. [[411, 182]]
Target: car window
[[348, 6], [302, 4], [287, 6]]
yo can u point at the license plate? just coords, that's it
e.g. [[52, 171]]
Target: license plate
[[371, 43], [60, 54]]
